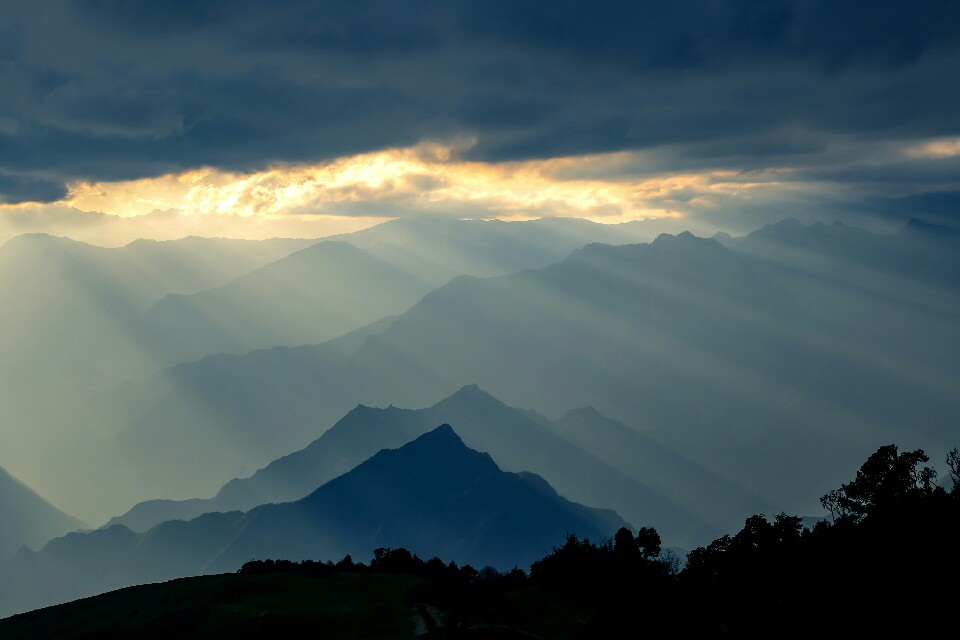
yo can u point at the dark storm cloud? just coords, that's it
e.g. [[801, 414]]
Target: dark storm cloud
[[108, 89], [671, 36], [14, 189]]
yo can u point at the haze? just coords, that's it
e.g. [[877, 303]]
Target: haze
[[666, 265]]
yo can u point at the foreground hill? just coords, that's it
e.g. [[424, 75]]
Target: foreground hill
[[433, 496], [27, 519], [586, 457], [768, 575], [237, 606]]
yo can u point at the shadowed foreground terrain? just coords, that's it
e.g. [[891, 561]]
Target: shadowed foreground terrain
[[880, 565], [233, 606]]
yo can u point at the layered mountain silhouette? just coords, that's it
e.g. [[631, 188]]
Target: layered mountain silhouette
[[28, 520], [309, 297], [586, 457], [261, 408], [920, 263], [682, 383], [71, 311], [81, 319], [338, 285], [434, 496], [71, 315], [771, 376], [54, 289], [443, 248], [749, 367]]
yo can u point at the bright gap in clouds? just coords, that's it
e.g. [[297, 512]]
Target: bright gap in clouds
[[426, 178], [939, 148], [354, 192]]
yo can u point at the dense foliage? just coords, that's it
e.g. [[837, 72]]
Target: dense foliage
[[883, 562]]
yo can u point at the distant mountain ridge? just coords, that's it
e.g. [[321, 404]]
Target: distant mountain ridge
[[27, 519], [344, 282], [464, 508], [308, 297], [70, 314], [640, 483], [755, 369], [150, 305], [920, 263], [433, 496]]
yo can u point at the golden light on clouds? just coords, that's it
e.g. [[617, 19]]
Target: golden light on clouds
[[939, 148], [426, 177], [354, 192]]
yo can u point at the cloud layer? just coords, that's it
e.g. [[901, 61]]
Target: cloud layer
[[110, 90]]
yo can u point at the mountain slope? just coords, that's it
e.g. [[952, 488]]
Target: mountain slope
[[225, 416], [338, 285], [769, 375], [345, 606], [28, 519], [516, 440], [308, 297], [691, 486], [80, 319], [71, 316], [722, 356], [433, 496], [442, 248], [919, 264]]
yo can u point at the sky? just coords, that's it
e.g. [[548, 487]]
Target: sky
[[134, 118]]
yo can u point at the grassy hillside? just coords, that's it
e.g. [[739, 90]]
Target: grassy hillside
[[337, 605]]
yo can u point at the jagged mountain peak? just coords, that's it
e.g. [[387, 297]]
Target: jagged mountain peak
[[470, 394], [440, 446]]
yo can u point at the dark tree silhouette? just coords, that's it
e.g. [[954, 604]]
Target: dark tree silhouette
[[883, 565], [885, 478], [648, 541], [953, 463]]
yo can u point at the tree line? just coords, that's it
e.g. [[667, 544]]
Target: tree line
[[884, 561]]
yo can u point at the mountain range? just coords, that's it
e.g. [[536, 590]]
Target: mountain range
[[684, 383], [586, 457], [71, 313], [28, 519], [80, 320], [433, 496], [772, 377], [346, 282]]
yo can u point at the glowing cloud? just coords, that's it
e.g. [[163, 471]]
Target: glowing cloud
[[940, 148], [427, 177], [357, 191]]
